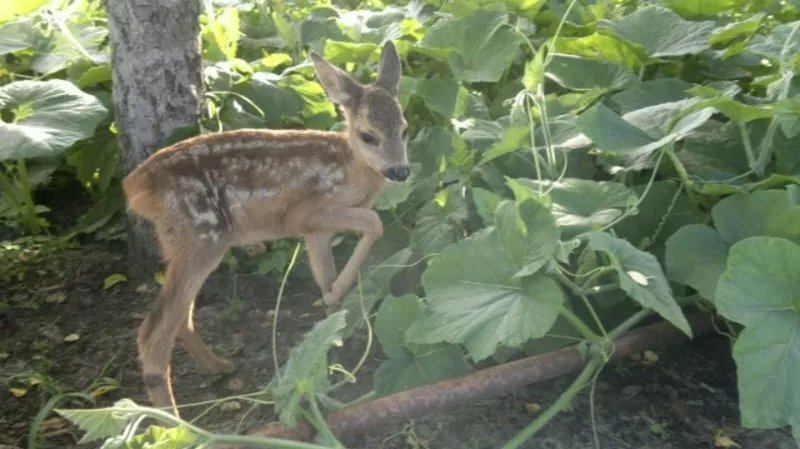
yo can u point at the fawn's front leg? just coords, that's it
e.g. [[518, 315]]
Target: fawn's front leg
[[331, 220]]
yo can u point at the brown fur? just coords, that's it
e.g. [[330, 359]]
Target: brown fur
[[210, 192]]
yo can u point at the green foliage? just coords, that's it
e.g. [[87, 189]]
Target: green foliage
[[101, 423], [558, 149], [411, 365], [760, 288], [305, 373]]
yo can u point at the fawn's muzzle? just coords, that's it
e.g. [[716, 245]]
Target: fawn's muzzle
[[398, 173]]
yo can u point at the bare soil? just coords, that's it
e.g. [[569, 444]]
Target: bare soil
[[679, 401]]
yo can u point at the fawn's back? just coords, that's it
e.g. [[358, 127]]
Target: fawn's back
[[250, 185]]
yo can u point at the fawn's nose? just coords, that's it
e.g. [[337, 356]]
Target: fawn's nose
[[397, 173]]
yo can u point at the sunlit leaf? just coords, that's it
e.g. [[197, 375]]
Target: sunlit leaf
[[579, 73], [480, 46], [663, 33]]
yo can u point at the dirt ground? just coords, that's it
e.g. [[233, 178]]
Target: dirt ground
[[680, 401]]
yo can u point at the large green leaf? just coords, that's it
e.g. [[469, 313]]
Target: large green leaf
[[696, 254], [760, 289], [85, 39], [764, 213], [641, 131], [696, 257], [731, 31], [581, 204], [483, 42], [513, 139], [693, 8], [444, 96], [786, 155], [410, 365], [579, 73], [641, 277], [600, 46], [483, 291], [49, 116], [716, 154], [651, 93], [306, 371], [265, 91], [101, 423], [19, 35], [663, 33]]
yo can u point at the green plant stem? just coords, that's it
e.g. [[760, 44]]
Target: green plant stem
[[321, 425], [626, 325], [766, 148], [576, 289], [245, 440], [363, 398], [748, 146], [602, 289], [683, 174], [561, 403], [595, 274], [580, 326], [277, 308]]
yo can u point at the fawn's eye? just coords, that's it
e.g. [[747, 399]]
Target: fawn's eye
[[368, 138]]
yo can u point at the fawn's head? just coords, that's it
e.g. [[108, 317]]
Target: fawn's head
[[374, 117]]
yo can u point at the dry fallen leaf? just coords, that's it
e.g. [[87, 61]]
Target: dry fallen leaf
[[723, 440], [56, 298], [533, 407], [18, 392], [113, 280], [99, 391], [235, 385], [51, 424], [231, 406], [650, 356], [72, 337]]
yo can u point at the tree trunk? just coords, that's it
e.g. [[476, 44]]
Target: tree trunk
[[158, 86]]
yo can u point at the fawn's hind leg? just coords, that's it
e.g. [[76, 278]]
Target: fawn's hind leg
[[199, 350], [189, 266]]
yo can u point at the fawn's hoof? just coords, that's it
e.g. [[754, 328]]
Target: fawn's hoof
[[223, 366]]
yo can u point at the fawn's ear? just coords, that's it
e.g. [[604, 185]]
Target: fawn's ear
[[340, 86], [389, 68]]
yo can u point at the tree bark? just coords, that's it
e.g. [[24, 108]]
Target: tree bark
[[157, 87]]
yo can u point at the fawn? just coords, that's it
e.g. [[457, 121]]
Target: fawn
[[210, 192]]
